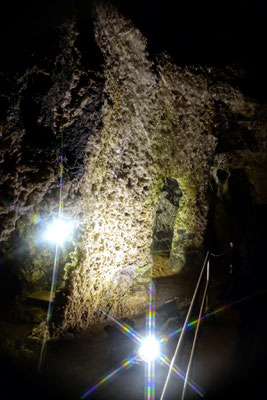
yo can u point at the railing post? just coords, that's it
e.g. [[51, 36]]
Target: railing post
[[185, 325], [194, 341]]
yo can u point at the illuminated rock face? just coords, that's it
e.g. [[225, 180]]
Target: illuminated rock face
[[54, 96], [155, 126], [144, 139], [125, 131]]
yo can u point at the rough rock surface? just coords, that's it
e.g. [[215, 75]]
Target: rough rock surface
[[125, 131], [53, 98]]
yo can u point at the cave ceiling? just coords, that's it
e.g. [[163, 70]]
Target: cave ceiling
[[191, 32]]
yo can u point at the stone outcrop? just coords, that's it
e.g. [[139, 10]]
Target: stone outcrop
[[54, 98]]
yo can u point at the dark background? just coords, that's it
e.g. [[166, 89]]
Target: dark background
[[214, 33]]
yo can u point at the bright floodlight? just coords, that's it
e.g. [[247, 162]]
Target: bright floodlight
[[59, 230], [149, 349]]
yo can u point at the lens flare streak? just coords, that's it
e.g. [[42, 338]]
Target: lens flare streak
[[150, 331], [129, 363], [53, 282], [149, 381], [193, 323], [61, 172], [165, 360], [125, 328], [218, 310], [150, 367]]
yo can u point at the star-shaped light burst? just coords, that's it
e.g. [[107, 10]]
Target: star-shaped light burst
[[149, 349], [149, 352], [59, 230]]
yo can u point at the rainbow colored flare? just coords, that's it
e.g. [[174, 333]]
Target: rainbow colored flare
[[53, 283], [35, 218], [125, 328], [194, 322], [165, 360], [150, 328], [127, 363]]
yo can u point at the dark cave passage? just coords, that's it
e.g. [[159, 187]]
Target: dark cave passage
[[165, 217], [232, 209]]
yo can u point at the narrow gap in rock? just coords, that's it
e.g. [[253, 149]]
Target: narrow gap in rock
[[164, 225]]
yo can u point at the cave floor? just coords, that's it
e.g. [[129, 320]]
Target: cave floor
[[75, 365]]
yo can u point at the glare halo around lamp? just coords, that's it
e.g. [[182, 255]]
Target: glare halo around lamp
[[58, 231], [149, 349]]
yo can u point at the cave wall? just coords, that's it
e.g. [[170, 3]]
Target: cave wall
[[56, 96], [126, 127], [159, 121], [148, 118]]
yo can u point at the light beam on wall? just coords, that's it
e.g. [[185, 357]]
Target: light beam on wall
[[59, 231], [149, 350]]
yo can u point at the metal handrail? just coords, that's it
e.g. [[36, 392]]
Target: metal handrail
[[184, 326], [204, 298], [231, 245]]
